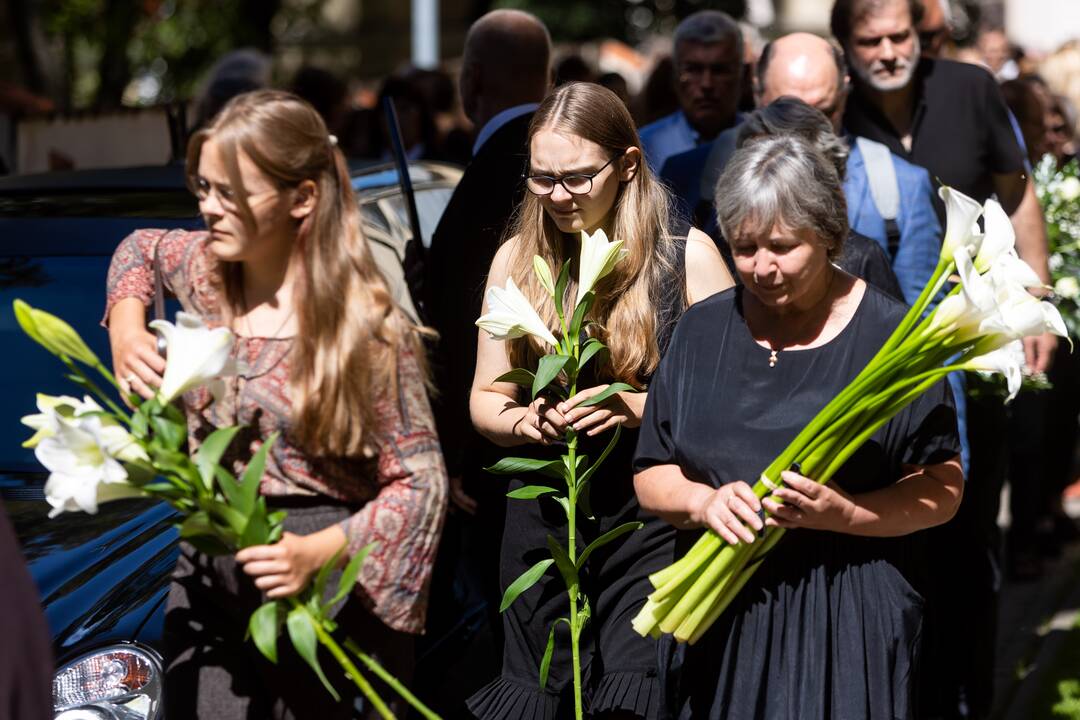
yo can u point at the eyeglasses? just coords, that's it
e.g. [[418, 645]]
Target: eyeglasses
[[203, 189], [576, 184]]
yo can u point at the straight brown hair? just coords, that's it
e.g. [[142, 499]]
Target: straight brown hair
[[351, 334]]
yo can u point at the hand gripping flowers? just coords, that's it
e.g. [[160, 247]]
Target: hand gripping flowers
[[96, 452], [511, 316], [978, 326]]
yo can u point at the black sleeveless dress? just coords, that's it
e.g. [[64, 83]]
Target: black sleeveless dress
[[619, 667], [829, 626]]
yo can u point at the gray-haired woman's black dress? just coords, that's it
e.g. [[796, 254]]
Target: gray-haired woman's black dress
[[829, 627]]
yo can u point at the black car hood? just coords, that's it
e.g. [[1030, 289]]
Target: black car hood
[[101, 577]]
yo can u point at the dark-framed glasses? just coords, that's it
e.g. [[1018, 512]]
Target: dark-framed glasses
[[575, 184]]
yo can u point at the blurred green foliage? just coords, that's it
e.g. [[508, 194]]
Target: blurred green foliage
[[627, 20]]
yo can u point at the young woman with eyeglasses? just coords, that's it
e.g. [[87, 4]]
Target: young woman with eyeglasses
[[330, 363], [586, 173]]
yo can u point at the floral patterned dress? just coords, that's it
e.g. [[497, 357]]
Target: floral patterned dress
[[400, 488]]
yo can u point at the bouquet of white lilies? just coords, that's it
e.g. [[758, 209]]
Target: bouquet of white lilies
[[510, 315], [95, 452], [978, 326]]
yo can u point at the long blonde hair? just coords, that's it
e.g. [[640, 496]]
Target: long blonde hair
[[345, 355], [627, 300]]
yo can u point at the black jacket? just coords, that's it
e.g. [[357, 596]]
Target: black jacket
[[457, 264]]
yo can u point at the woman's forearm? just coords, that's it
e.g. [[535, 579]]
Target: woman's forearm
[[664, 491], [127, 315], [923, 499], [496, 417]]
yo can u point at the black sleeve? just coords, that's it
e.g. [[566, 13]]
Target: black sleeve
[[655, 445], [930, 431], [864, 258], [1005, 153]]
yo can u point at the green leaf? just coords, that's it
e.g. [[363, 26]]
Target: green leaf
[[565, 506], [607, 392], [350, 574], [560, 288], [584, 503], [606, 538], [263, 627], [518, 376], [517, 466], [566, 566], [210, 451], [256, 529], [302, 633], [198, 523], [545, 662], [591, 348], [584, 478], [249, 482], [209, 545], [319, 586], [139, 425], [530, 492], [549, 369], [579, 315], [171, 434], [525, 581]]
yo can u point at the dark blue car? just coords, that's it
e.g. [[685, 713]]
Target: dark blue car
[[103, 578]]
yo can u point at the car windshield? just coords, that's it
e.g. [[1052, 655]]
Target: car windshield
[[60, 267]]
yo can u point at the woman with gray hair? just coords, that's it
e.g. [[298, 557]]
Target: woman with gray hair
[[829, 626]]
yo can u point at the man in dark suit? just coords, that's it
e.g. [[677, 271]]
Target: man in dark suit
[[505, 74]]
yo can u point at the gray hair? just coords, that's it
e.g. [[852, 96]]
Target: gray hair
[[782, 181], [791, 116], [707, 27]]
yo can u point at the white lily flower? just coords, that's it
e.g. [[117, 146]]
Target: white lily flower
[[1007, 360], [1009, 268], [1026, 316], [598, 258], [64, 409], [977, 289], [961, 230], [82, 470], [999, 238], [197, 355], [511, 316]]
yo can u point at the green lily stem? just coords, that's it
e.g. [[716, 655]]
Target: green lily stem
[[571, 543], [327, 640], [96, 389], [390, 680]]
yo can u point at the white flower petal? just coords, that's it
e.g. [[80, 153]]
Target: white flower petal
[[999, 237], [196, 354], [961, 213]]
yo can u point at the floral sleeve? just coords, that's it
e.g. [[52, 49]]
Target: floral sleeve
[[405, 518], [184, 269]]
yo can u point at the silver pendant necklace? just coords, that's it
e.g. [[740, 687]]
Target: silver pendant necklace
[[772, 358]]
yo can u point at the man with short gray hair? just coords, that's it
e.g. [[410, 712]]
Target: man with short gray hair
[[708, 56]]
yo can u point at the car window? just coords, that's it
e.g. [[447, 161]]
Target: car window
[[430, 203], [72, 287]]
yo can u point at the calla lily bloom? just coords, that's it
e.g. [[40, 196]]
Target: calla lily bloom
[[1007, 360], [961, 214], [83, 472], [998, 239], [197, 355], [598, 258], [511, 316]]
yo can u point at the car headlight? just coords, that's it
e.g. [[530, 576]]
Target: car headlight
[[122, 682]]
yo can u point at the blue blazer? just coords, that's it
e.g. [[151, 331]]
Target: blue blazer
[[920, 231]]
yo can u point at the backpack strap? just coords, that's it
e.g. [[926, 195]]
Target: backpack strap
[[884, 188]]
